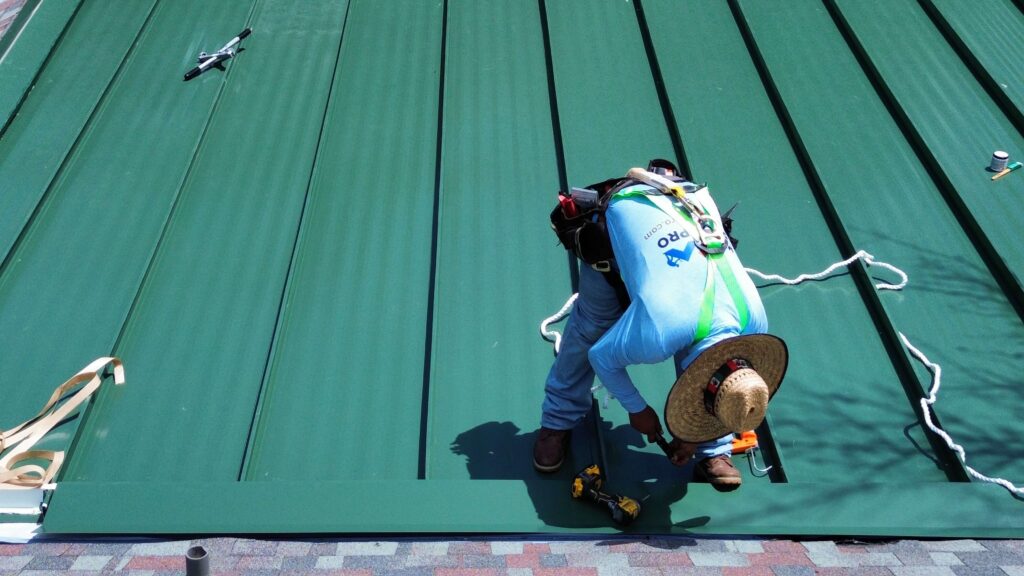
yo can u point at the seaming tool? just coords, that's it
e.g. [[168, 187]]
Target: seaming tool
[[215, 60]]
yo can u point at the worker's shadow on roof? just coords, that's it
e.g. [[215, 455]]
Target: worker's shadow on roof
[[501, 451]]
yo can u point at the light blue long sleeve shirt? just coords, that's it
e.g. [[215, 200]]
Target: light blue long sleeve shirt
[[665, 275]]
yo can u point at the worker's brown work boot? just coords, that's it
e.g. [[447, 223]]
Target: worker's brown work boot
[[549, 449], [719, 472]]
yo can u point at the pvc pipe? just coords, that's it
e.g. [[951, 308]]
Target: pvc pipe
[[197, 562]]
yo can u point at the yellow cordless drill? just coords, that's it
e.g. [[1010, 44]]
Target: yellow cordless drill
[[588, 483]]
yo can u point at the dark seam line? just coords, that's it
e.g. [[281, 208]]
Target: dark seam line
[[862, 279], [257, 414], [659, 86], [951, 464], [42, 66], [421, 466], [989, 254], [563, 181], [598, 450], [52, 184], [84, 428], [978, 70]]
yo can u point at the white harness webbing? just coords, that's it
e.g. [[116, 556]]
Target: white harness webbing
[[935, 369], [15, 471]]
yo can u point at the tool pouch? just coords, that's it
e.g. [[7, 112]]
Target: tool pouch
[[585, 234]]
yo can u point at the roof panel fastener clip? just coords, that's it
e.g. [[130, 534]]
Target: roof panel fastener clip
[[216, 59]]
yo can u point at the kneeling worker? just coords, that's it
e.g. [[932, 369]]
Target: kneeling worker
[[669, 285]]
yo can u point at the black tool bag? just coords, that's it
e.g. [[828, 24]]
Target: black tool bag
[[585, 233]]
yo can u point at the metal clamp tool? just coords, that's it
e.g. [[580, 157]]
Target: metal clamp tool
[[207, 61]]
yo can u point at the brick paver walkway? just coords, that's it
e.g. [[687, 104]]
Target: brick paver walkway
[[610, 556]]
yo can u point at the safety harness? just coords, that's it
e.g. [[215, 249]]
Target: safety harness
[[585, 233]]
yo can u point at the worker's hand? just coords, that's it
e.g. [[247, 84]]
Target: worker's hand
[[681, 451], [646, 422]]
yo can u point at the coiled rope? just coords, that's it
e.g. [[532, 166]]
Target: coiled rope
[[936, 370]]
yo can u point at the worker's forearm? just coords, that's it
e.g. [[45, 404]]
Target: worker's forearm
[[619, 384]]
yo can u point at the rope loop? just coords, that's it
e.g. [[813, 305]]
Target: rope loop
[[935, 369]]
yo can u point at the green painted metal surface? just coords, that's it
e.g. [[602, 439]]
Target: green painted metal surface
[[67, 286], [895, 212], [329, 260], [824, 431], [346, 374], [983, 37], [496, 275], [475, 506], [50, 124], [209, 303], [38, 27], [954, 117]]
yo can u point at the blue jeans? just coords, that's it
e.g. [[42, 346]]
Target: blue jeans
[[567, 396]]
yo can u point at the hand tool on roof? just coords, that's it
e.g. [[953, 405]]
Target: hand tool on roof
[[588, 483], [206, 61], [746, 441], [1013, 166]]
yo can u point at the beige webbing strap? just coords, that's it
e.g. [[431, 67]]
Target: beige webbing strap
[[15, 472]]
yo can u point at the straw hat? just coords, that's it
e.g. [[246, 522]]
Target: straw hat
[[727, 388]]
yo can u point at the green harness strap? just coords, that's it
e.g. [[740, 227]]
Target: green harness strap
[[707, 307]]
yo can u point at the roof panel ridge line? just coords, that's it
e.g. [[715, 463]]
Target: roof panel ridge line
[[902, 363], [9, 40], [556, 129], [86, 425], [594, 414], [978, 70], [659, 86], [428, 344], [989, 254], [255, 424], [6, 257]]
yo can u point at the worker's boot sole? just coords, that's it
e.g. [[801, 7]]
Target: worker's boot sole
[[548, 469]]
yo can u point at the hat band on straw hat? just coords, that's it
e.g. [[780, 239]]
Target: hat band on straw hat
[[715, 382]]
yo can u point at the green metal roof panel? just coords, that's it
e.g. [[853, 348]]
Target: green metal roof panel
[[49, 124], [954, 117], [983, 38], [496, 274], [21, 60], [346, 376], [68, 285], [896, 212], [206, 313], [330, 259], [717, 143]]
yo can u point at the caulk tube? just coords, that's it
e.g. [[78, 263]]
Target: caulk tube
[[205, 65], [241, 36]]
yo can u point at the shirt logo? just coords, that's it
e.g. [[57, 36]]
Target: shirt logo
[[675, 255]]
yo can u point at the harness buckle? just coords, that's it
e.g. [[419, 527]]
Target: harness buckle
[[602, 266]]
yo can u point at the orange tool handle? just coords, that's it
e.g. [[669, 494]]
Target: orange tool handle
[[746, 441]]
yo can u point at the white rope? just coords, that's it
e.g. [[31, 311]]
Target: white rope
[[936, 371], [862, 255], [553, 335]]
